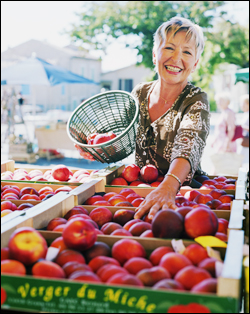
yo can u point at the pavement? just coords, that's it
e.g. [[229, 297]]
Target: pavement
[[73, 160]]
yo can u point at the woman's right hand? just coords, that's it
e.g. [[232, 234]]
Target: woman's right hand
[[85, 155]]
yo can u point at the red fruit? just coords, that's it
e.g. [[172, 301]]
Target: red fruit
[[174, 262], [119, 181], [60, 172], [196, 253], [131, 173], [158, 253], [149, 173]]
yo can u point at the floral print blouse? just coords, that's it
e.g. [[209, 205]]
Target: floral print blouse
[[180, 132]]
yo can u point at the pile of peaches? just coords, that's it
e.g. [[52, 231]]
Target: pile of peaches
[[78, 256], [13, 192], [59, 173], [148, 176]]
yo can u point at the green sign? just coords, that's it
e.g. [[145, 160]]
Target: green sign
[[64, 296]]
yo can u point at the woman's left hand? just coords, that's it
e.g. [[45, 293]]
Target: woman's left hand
[[161, 198]]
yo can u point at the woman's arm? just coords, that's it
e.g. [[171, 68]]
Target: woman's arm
[[163, 197]]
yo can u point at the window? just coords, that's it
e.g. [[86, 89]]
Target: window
[[120, 84], [128, 85]]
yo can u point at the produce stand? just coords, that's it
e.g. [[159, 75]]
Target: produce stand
[[27, 293]]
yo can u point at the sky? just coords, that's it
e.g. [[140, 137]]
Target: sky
[[46, 20]]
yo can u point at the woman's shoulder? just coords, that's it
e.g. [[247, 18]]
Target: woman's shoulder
[[142, 89], [194, 91]]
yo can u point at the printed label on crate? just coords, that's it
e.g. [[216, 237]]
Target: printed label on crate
[[62, 296]]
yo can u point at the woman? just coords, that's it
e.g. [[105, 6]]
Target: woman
[[174, 119], [225, 127]]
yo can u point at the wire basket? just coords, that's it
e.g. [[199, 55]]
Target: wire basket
[[115, 111]]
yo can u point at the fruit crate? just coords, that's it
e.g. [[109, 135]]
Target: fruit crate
[[107, 174], [27, 293]]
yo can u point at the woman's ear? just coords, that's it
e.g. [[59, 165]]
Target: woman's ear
[[154, 58], [195, 65]]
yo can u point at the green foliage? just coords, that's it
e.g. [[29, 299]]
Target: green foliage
[[135, 22]]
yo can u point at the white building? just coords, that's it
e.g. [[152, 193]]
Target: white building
[[81, 62]]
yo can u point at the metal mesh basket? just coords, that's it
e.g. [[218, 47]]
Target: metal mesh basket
[[115, 111]]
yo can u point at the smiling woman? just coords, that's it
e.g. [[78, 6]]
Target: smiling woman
[[174, 114]]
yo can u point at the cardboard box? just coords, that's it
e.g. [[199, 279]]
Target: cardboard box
[[27, 293]]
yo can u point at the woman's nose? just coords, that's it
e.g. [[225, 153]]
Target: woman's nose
[[176, 55]]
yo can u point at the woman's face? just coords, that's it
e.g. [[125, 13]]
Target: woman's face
[[176, 59]]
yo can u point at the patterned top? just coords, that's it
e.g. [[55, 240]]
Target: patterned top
[[180, 132]]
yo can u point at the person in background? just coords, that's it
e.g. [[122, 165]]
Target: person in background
[[225, 127], [244, 150]]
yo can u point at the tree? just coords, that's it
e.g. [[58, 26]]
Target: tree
[[101, 22]]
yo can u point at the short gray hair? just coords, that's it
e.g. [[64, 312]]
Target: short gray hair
[[177, 24]]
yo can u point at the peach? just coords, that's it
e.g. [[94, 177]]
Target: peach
[[69, 255], [85, 276], [122, 216], [101, 215], [59, 228], [136, 264], [200, 222], [155, 184], [59, 244], [99, 261], [60, 173], [209, 265], [131, 172], [149, 173], [201, 206], [10, 196], [101, 138], [158, 253], [7, 175], [136, 183], [74, 211], [167, 223], [224, 206], [223, 225], [174, 262], [55, 222], [183, 210], [28, 190], [139, 227], [209, 182], [63, 189], [109, 227], [195, 253], [220, 178], [147, 234], [124, 204], [151, 276], [27, 245], [7, 186], [121, 232], [98, 249], [10, 190], [131, 223], [146, 218], [73, 266], [206, 286], [222, 236], [191, 275], [108, 195], [216, 193], [227, 198], [219, 185], [35, 172], [30, 197], [116, 199], [5, 212], [92, 199], [179, 200], [132, 197], [125, 192], [102, 203], [5, 253], [214, 204], [124, 279], [47, 269], [190, 195], [12, 267], [108, 270], [136, 202], [229, 187], [77, 173], [8, 205], [230, 181], [80, 215], [45, 189], [79, 234], [125, 249], [168, 284], [203, 198], [24, 206], [207, 187], [119, 181]]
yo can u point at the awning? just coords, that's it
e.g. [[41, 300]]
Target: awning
[[242, 75]]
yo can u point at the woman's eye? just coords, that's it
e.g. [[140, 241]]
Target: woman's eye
[[187, 52], [169, 48]]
